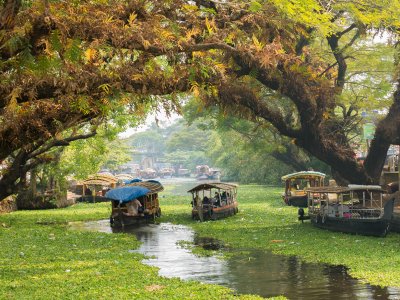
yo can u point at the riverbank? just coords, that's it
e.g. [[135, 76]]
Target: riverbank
[[41, 258], [265, 223]]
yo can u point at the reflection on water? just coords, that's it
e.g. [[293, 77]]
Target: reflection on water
[[256, 272]]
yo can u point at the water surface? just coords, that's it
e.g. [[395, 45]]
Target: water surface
[[252, 272]]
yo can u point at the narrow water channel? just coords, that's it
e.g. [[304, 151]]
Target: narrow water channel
[[256, 272]]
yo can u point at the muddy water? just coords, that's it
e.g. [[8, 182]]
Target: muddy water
[[255, 272]]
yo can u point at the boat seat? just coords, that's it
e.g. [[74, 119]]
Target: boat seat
[[298, 193]]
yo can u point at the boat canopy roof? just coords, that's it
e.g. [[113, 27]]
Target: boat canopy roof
[[153, 186], [100, 179], [124, 177], [213, 185], [134, 190], [304, 174], [126, 193], [344, 189]]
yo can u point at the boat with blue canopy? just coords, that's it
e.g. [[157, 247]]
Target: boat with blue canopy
[[135, 203]]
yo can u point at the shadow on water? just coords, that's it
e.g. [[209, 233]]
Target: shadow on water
[[250, 272]]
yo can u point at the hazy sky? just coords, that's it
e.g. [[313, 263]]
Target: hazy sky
[[162, 117]]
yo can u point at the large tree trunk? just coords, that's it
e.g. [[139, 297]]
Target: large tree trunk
[[342, 161], [387, 133]]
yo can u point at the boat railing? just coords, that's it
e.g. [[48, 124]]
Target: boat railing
[[366, 213], [352, 213]]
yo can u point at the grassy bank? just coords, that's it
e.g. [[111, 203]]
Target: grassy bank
[[41, 259], [265, 223]]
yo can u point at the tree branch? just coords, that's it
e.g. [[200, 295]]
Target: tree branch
[[8, 14], [61, 143]]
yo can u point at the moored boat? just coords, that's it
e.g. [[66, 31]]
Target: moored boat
[[295, 184], [357, 209], [214, 200]]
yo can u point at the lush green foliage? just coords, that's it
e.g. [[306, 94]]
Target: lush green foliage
[[71, 65], [86, 157], [248, 151]]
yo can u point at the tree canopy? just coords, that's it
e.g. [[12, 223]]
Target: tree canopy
[[67, 66]]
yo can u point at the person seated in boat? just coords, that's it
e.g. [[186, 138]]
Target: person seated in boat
[[206, 200], [217, 199], [294, 187], [195, 201], [224, 198], [133, 208]]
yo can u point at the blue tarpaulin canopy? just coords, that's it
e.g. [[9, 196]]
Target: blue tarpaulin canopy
[[132, 180], [127, 193]]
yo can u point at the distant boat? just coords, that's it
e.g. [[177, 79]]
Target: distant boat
[[357, 209], [295, 183]]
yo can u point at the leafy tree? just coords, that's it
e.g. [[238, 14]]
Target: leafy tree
[[68, 65], [273, 74], [249, 152]]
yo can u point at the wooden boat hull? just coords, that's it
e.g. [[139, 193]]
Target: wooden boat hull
[[92, 199], [216, 213], [395, 222], [122, 221], [371, 227], [378, 227], [298, 201]]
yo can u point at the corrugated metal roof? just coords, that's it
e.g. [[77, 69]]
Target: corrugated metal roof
[[303, 174], [344, 189], [215, 185]]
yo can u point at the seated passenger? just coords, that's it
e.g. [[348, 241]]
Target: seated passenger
[[196, 200], [133, 208], [217, 198], [206, 200]]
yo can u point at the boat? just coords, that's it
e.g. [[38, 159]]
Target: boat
[[95, 187], [356, 209], [395, 223], [214, 200], [295, 183], [135, 203], [166, 172]]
